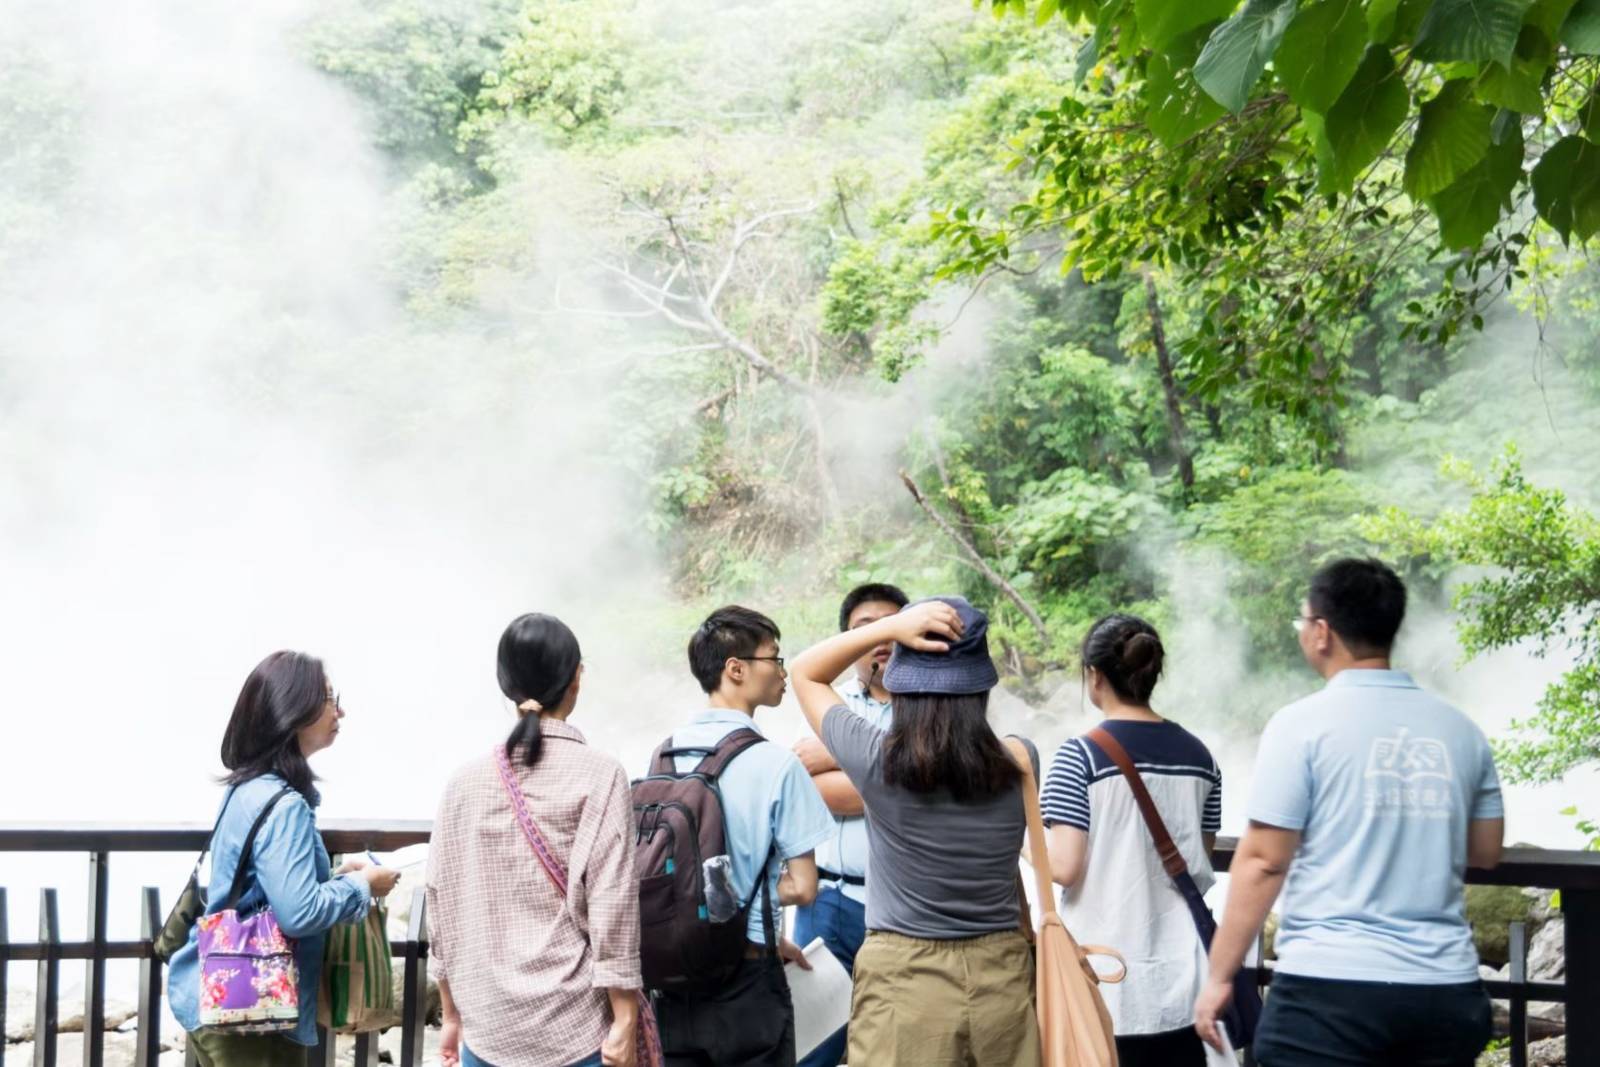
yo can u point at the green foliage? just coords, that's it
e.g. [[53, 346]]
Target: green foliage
[[1070, 526], [1542, 587], [1273, 531]]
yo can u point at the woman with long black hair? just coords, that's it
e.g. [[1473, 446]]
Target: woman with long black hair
[[945, 976], [286, 712], [533, 909]]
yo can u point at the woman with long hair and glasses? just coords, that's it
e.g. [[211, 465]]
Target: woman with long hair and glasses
[[286, 713], [945, 976], [533, 908], [1117, 891]]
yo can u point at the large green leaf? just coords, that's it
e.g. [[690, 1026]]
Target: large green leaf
[[1163, 21], [1581, 31], [1361, 122], [1237, 51], [1474, 202], [1470, 31], [1321, 51], [1566, 188], [1520, 87], [1589, 114], [1452, 135], [1548, 15], [1176, 109]]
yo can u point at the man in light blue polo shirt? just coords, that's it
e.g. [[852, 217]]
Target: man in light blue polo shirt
[[1370, 800], [773, 819], [839, 914]]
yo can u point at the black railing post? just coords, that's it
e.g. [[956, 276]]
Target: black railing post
[[1517, 972], [48, 984], [5, 963], [149, 1049], [414, 999], [326, 1052], [1580, 909], [94, 970], [366, 1049]]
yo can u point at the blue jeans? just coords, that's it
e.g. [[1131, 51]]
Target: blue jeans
[[842, 925], [469, 1060]]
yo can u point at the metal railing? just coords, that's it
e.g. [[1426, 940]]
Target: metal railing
[[1575, 874]]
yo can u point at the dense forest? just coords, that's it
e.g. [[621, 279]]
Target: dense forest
[[1068, 306]]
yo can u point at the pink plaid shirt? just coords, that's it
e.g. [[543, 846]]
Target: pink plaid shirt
[[528, 970]]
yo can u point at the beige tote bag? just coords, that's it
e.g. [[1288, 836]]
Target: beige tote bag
[[1075, 1029]]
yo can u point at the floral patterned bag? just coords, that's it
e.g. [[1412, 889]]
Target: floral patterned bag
[[249, 981]]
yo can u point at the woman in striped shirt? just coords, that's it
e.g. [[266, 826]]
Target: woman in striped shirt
[[1117, 892]]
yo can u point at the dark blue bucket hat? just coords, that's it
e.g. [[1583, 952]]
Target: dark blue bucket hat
[[964, 668]]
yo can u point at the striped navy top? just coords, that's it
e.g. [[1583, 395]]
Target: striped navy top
[[1158, 750]]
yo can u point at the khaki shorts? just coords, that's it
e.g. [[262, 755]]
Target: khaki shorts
[[962, 1003]]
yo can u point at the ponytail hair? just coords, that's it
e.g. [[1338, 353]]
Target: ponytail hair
[[1127, 651], [537, 663]]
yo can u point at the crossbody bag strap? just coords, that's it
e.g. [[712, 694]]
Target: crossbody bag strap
[[198, 860], [1038, 854], [242, 870], [519, 805], [1171, 859]]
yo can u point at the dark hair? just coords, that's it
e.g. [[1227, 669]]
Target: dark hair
[[538, 660], [285, 693], [862, 594], [1363, 601], [943, 741], [727, 632], [1127, 651]]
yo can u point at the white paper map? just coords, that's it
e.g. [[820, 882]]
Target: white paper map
[[821, 997]]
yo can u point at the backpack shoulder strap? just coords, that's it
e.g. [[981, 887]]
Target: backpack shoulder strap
[[730, 746], [1171, 858], [714, 760]]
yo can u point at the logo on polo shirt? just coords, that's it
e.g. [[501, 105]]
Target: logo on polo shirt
[[1409, 776]]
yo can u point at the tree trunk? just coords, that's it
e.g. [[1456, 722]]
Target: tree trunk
[[1169, 386]]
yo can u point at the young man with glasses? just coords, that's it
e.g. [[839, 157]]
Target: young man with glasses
[[773, 819], [839, 914], [1371, 798]]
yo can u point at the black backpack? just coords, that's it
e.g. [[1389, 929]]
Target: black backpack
[[678, 819]]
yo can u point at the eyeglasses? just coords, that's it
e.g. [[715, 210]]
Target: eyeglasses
[[1302, 621], [770, 659], [333, 698]]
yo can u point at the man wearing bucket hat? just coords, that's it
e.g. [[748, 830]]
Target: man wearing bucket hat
[[945, 976]]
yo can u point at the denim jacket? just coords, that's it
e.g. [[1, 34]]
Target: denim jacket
[[292, 872]]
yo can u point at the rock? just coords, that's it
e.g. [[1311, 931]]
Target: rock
[[119, 1050], [19, 1013], [1547, 953], [1269, 937], [1490, 911], [1552, 1052], [389, 1045], [116, 1014]]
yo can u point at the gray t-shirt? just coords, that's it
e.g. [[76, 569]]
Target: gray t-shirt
[[940, 869]]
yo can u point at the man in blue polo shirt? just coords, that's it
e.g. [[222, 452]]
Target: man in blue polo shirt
[[773, 820], [839, 914], [1370, 800]]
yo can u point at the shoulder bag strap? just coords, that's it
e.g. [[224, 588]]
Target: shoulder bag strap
[[198, 860], [649, 1042], [735, 742], [1038, 855], [1171, 858], [246, 854], [519, 804]]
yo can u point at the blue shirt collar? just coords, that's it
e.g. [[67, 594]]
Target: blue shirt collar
[[725, 717], [1390, 679]]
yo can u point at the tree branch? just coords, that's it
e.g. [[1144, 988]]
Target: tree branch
[[976, 558]]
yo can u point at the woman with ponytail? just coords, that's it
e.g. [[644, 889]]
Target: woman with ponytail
[[533, 910], [1117, 891]]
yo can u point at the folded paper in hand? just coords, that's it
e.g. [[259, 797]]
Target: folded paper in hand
[[821, 998]]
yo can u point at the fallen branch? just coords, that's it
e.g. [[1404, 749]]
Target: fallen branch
[[976, 558]]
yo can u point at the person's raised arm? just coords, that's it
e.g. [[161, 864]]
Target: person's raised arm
[[1259, 867], [922, 626]]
